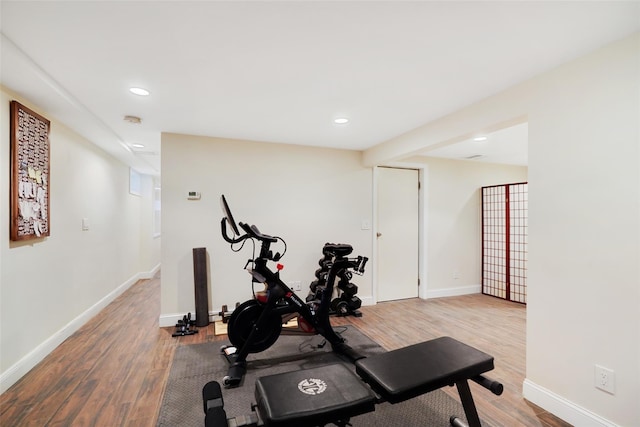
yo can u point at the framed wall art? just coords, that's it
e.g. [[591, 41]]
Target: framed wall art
[[30, 180]]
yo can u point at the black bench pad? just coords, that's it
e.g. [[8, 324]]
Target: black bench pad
[[411, 371], [311, 397]]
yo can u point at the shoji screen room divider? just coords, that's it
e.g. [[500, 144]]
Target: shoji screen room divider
[[504, 241]]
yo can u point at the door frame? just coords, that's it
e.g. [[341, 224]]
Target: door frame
[[422, 225]]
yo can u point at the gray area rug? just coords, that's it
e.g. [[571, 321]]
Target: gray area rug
[[195, 365]]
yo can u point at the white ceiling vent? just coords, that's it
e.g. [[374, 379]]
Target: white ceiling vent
[[133, 119]]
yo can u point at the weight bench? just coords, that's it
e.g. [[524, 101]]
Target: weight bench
[[334, 394]]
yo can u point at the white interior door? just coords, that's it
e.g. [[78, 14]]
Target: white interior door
[[398, 240]]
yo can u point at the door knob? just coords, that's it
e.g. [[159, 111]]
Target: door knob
[[378, 234]]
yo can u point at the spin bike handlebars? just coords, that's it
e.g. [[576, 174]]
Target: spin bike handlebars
[[251, 231]]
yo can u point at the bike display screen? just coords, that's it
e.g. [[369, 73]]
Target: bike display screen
[[228, 216]]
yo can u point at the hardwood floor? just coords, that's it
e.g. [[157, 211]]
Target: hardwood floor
[[113, 371]]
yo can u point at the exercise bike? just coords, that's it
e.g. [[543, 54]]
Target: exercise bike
[[256, 324]]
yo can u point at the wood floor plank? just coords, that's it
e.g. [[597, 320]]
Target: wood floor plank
[[69, 410], [114, 370]]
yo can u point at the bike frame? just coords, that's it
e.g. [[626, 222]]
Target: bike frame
[[281, 300]]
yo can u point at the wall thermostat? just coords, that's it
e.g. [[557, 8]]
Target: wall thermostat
[[193, 195]]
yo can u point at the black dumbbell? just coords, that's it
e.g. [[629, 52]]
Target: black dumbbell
[[353, 302]]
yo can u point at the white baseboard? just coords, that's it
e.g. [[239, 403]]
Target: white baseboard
[[170, 319], [367, 301], [35, 356], [149, 274], [453, 292], [561, 407]]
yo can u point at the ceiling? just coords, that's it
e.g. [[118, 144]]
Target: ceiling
[[506, 146], [282, 71]]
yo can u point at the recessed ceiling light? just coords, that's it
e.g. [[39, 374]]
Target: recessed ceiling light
[[137, 145], [139, 91], [480, 138], [341, 121]]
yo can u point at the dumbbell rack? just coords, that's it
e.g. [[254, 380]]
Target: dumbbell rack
[[345, 302]]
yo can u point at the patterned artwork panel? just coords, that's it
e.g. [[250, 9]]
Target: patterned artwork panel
[[29, 174]]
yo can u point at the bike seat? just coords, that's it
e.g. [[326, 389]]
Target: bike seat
[[338, 249]]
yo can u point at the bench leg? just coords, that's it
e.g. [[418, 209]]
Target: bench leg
[[469, 406]]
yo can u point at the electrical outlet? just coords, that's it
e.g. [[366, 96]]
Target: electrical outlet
[[605, 379]]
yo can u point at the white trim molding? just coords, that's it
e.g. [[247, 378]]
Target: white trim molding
[[453, 292], [170, 320], [561, 407], [149, 274]]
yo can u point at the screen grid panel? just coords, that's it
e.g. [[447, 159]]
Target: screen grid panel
[[518, 208], [504, 241], [494, 242]]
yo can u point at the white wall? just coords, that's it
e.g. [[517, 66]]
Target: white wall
[[584, 213], [308, 196], [584, 226], [454, 220], [52, 286]]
